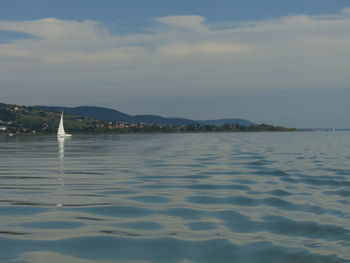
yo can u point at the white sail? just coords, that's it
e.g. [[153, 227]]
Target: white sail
[[61, 132], [61, 127]]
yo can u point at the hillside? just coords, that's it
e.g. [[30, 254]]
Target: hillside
[[227, 121], [99, 113], [23, 119], [117, 116], [43, 119], [106, 114]]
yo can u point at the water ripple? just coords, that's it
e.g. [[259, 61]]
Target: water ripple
[[222, 197]]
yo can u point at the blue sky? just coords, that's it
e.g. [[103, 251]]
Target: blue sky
[[133, 13], [277, 61]]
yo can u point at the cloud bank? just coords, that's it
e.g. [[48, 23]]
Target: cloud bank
[[180, 57]]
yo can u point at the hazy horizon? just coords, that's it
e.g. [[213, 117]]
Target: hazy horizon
[[284, 64]]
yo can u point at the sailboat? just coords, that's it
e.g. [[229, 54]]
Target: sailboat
[[61, 133]]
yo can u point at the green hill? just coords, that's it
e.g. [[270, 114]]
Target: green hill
[[44, 119], [117, 116], [25, 119]]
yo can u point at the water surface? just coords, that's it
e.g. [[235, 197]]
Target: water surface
[[216, 197]]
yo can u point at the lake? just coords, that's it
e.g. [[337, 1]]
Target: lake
[[206, 197]]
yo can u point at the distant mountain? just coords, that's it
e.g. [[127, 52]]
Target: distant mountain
[[155, 119], [106, 114], [98, 113], [15, 119], [227, 121]]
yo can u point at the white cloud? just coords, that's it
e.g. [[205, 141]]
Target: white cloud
[[193, 22], [51, 28], [184, 49], [346, 11]]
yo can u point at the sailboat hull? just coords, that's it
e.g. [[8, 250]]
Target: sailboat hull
[[67, 135]]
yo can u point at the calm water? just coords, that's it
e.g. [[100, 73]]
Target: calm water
[[223, 197]]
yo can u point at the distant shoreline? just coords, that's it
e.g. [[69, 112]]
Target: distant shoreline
[[16, 119], [149, 132]]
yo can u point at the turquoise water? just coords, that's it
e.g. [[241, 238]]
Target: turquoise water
[[218, 197]]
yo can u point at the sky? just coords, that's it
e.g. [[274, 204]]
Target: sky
[[280, 62]]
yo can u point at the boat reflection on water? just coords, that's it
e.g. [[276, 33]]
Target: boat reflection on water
[[61, 141], [61, 150]]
